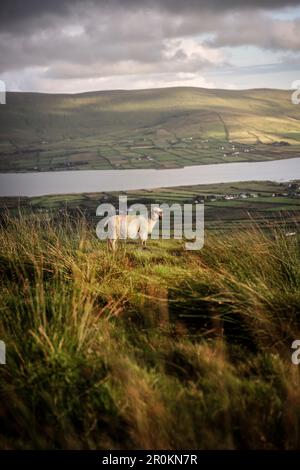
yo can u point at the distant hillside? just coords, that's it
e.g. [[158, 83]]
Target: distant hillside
[[158, 128]]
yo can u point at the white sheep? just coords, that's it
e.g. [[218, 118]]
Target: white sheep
[[131, 226]]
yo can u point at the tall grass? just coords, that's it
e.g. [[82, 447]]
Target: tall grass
[[156, 348]]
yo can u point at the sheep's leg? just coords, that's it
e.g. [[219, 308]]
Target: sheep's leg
[[112, 244]]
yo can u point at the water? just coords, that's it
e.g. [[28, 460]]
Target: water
[[68, 182]]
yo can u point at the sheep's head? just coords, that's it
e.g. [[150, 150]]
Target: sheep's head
[[156, 213]]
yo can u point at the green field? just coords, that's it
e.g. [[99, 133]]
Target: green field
[[161, 128], [151, 348], [147, 349], [266, 202]]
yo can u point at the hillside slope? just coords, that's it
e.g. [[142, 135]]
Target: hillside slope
[[146, 128], [148, 349]]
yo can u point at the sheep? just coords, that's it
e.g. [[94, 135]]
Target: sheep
[[131, 226]]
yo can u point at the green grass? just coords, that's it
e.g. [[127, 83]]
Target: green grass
[[181, 126], [156, 348]]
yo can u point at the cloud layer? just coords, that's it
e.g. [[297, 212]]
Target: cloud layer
[[80, 45]]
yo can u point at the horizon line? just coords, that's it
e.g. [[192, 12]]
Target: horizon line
[[148, 89]]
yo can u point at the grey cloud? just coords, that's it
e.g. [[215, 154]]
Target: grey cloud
[[20, 11], [104, 41], [258, 30], [79, 40]]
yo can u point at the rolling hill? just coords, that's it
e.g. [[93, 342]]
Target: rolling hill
[[157, 128]]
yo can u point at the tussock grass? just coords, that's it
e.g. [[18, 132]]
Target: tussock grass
[[161, 348]]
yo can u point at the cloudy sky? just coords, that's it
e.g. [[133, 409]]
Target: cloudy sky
[[73, 46]]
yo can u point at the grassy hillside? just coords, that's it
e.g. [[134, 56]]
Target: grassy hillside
[[158, 128], [156, 348]]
